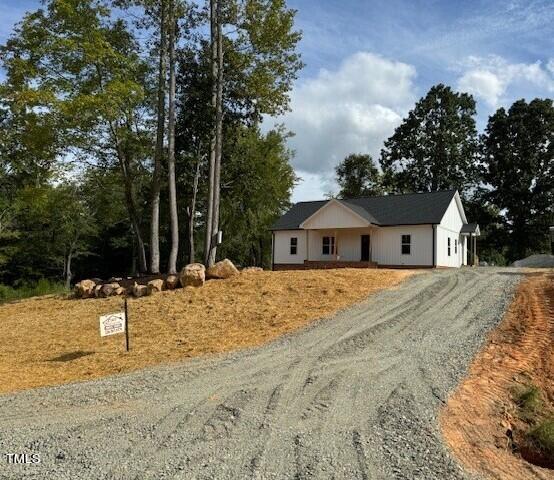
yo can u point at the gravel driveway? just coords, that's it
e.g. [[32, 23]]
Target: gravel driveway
[[352, 397]]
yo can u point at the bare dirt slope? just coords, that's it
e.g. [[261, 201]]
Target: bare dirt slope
[[52, 340], [481, 420], [352, 397]]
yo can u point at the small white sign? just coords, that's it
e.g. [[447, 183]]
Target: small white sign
[[112, 323]]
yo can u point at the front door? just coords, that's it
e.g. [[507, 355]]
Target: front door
[[365, 248]]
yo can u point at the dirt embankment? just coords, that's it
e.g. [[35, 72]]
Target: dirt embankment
[[51, 340], [481, 422]]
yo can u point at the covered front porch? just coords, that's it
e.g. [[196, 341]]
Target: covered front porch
[[337, 236], [340, 247], [471, 231]]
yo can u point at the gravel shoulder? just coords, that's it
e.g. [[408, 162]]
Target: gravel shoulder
[[355, 396]]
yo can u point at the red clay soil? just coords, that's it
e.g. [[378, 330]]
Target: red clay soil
[[481, 416]]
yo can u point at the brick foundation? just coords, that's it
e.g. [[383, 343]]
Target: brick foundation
[[315, 265]]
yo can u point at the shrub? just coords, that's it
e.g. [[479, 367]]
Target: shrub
[[529, 400], [26, 290], [493, 257], [543, 436]]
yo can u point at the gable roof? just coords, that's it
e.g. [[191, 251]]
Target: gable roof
[[470, 228], [405, 209], [361, 214]]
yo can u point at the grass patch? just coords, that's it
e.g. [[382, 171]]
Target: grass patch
[[36, 289], [543, 436], [529, 400]]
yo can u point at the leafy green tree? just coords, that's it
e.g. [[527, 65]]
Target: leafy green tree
[[77, 73], [259, 62], [435, 147], [55, 225], [257, 183], [358, 176], [262, 43], [518, 157]]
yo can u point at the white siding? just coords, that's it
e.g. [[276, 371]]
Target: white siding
[[281, 247], [334, 215], [387, 241], [452, 220], [348, 241], [450, 227]]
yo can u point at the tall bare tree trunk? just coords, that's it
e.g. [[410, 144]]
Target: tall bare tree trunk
[[124, 160], [158, 154], [213, 140], [192, 209], [173, 215], [133, 214], [68, 274], [218, 133]]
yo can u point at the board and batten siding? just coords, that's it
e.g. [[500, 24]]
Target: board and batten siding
[[281, 247], [450, 227], [387, 245], [348, 241], [334, 215]]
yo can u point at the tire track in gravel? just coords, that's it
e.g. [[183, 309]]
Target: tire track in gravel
[[351, 397]]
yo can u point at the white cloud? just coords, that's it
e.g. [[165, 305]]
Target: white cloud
[[312, 186], [490, 78], [349, 110]]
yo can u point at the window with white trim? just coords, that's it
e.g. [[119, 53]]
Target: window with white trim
[[406, 247], [448, 246], [328, 246], [293, 245]]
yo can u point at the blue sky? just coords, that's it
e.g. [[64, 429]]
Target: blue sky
[[367, 62]]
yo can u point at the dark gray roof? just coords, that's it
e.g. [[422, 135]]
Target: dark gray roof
[[469, 228], [406, 209], [297, 214]]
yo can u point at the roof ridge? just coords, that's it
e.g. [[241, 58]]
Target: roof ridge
[[401, 194], [414, 208]]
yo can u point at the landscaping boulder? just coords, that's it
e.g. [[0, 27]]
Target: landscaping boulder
[[193, 275], [115, 279], [172, 282], [223, 269], [109, 289], [252, 269], [85, 289], [120, 291], [97, 291], [155, 286], [140, 290]]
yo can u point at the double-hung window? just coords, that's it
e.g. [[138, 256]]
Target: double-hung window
[[328, 246], [293, 245], [406, 244], [448, 246]]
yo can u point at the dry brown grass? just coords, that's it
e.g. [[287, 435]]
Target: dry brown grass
[[51, 340]]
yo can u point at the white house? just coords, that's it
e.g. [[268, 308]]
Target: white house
[[412, 230]]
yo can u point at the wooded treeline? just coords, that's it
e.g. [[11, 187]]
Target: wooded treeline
[[505, 175], [130, 135]]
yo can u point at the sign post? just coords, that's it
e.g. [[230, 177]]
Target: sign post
[[126, 326]]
